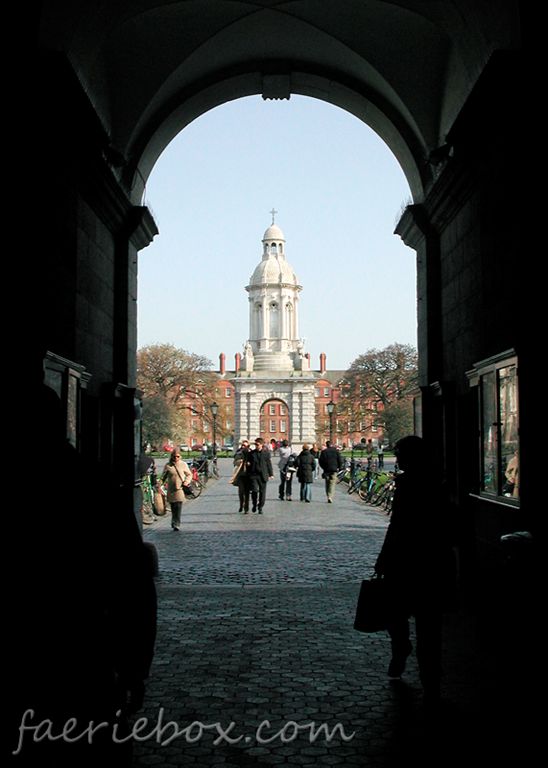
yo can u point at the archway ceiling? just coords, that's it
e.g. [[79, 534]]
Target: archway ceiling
[[150, 67]]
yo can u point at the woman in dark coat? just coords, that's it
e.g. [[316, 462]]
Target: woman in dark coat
[[417, 563], [306, 464]]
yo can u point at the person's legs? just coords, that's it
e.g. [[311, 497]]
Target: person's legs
[[281, 488], [262, 494], [308, 491], [247, 491], [398, 629], [176, 507], [330, 486], [428, 627], [288, 485], [255, 490]]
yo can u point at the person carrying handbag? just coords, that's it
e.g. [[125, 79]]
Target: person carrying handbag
[[240, 477], [417, 564], [176, 474]]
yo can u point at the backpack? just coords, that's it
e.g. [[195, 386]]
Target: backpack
[[291, 462]]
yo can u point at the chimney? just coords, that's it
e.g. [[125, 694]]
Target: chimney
[[322, 363], [222, 365], [237, 361]]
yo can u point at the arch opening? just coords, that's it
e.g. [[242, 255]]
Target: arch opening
[[398, 133]]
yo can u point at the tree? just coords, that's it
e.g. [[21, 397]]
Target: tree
[[165, 371], [398, 420], [157, 419], [380, 385], [164, 375]]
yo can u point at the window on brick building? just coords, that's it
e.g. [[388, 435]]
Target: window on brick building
[[282, 425], [228, 392], [272, 425], [326, 392], [496, 380], [272, 410]]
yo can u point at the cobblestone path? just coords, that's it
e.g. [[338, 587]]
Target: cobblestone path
[[257, 662]]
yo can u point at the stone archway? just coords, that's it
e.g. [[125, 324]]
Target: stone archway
[[118, 80]]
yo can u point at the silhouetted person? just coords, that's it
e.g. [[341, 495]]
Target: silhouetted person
[[416, 561], [81, 608]]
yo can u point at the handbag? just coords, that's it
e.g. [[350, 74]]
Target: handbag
[[186, 489], [373, 607], [236, 474]]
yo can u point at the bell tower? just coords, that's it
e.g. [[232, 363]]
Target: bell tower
[[274, 366]]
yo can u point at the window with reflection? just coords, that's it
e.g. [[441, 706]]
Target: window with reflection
[[497, 382]]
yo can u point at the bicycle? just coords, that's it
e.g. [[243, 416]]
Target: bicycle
[[201, 467], [357, 479], [195, 487], [377, 481], [213, 469], [343, 474]]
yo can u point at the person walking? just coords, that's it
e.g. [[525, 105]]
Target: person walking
[[284, 453], [176, 474], [260, 471], [380, 456], [331, 461], [315, 451], [306, 464], [417, 563], [241, 475]]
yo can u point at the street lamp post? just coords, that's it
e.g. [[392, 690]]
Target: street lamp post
[[214, 412], [330, 408]]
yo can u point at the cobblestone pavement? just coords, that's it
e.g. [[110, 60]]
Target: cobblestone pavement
[[255, 641]]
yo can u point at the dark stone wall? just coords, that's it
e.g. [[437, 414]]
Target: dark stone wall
[[94, 296]]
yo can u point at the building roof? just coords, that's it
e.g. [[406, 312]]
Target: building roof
[[273, 233], [274, 269]]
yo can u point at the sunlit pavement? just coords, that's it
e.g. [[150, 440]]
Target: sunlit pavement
[[257, 661]]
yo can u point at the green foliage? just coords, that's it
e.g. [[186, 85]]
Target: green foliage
[[157, 420], [398, 420]]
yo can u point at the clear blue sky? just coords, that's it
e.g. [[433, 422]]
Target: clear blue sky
[[338, 191]]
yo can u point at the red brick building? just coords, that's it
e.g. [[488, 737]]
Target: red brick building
[[348, 428]]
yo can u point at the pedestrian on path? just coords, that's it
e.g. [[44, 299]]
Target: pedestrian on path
[[315, 451], [260, 471], [331, 461], [176, 475], [380, 456], [241, 475], [417, 563], [306, 463], [284, 453]]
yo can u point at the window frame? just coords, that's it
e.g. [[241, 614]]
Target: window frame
[[485, 376]]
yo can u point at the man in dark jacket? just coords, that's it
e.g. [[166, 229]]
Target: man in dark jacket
[[260, 471], [331, 461]]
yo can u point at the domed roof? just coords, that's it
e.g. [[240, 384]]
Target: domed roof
[[273, 233], [274, 269]]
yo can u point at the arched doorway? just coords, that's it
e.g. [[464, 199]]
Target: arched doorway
[[119, 80], [274, 421]]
